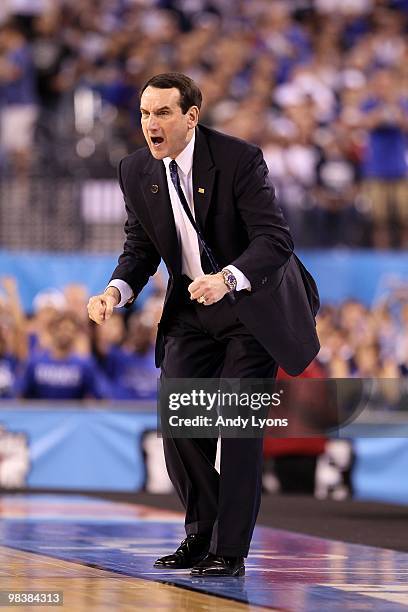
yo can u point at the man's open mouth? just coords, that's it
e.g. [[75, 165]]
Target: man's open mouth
[[157, 140]]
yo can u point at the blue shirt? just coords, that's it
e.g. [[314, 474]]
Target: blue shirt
[[71, 378], [21, 90], [385, 154], [133, 376]]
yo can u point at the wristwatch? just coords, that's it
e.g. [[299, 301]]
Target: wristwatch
[[229, 279]]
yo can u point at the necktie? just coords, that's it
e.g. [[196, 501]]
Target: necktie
[[214, 267]]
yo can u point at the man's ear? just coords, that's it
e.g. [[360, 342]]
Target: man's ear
[[192, 116]]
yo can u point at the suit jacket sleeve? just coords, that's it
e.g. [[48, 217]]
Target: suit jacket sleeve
[[140, 258], [270, 244]]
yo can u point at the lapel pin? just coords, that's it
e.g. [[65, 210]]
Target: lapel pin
[[154, 188], [201, 190]]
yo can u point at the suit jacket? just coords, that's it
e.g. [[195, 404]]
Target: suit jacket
[[236, 208]]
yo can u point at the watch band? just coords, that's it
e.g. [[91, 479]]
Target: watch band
[[229, 279]]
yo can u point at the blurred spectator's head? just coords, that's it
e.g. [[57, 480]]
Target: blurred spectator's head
[[76, 298], [47, 23], [49, 298], [152, 313], [338, 342], [76, 295], [63, 329], [139, 333], [46, 305], [11, 37], [111, 333], [383, 83], [352, 314], [367, 360], [325, 320]]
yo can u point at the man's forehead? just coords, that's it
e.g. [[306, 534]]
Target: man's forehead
[[154, 98]]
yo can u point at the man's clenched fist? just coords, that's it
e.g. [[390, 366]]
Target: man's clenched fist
[[100, 307], [208, 289]]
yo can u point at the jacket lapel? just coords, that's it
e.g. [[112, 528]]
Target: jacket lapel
[[156, 194], [203, 178]]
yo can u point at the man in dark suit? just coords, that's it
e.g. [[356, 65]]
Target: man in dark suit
[[243, 321]]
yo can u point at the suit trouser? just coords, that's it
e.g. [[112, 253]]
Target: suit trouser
[[210, 342]]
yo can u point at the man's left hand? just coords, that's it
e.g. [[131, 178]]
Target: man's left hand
[[208, 289]]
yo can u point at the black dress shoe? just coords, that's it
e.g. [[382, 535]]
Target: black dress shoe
[[218, 565], [192, 550]]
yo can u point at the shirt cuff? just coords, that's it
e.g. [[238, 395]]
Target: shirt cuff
[[125, 290], [242, 281]]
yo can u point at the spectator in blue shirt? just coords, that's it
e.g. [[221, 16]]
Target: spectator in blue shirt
[[384, 164], [59, 373], [18, 99]]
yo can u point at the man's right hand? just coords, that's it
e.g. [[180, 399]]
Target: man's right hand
[[100, 307]]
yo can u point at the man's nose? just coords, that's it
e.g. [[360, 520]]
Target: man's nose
[[152, 123]]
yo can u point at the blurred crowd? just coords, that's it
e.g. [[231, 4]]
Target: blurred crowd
[[55, 352], [321, 85], [363, 342]]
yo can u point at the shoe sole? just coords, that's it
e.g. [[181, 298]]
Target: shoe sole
[[239, 572], [162, 566]]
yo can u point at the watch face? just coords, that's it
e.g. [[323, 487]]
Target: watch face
[[230, 280]]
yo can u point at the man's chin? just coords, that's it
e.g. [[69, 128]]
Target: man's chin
[[157, 153]]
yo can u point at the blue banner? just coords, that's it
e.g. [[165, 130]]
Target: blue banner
[[99, 448], [79, 448], [340, 274], [380, 469]]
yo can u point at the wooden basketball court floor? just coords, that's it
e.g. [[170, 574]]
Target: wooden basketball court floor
[[100, 555]]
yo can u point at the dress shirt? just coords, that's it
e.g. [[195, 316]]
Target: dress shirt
[[187, 236]]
